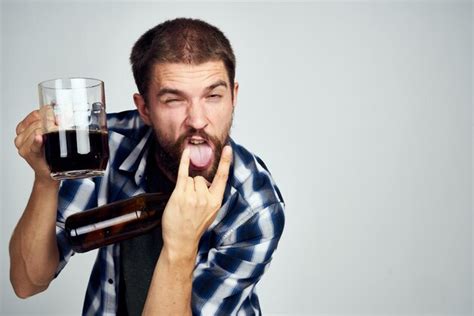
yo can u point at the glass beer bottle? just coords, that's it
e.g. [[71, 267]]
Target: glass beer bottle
[[114, 222]]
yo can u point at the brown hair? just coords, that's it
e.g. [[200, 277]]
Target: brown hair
[[181, 40]]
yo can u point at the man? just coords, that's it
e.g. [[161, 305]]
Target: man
[[225, 214]]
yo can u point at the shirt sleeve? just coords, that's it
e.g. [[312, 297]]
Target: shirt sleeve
[[224, 283], [74, 196]]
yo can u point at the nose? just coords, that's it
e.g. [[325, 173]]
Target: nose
[[196, 116]]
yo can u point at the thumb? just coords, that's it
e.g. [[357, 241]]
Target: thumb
[[37, 145]]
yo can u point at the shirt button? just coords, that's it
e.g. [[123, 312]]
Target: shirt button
[[110, 281]]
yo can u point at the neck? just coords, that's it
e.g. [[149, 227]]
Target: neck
[[166, 172]]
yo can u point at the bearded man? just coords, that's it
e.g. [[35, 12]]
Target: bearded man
[[224, 217]]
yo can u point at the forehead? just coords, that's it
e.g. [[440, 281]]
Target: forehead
[[175, 75]]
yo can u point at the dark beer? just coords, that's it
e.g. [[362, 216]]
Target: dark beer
[[76, 150], [115, 222]]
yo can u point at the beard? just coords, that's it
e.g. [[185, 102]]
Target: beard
[[168, 153]]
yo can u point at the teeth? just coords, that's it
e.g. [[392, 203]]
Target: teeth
[[196, 142]]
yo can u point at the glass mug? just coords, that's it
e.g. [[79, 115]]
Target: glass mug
[[75, 135]]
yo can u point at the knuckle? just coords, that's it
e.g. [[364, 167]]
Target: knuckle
[[224, 173], [202, 202], [226, 159], [199, 178], [191, 201], [17, 142], [22, 152], [222, 176], [214, 204]]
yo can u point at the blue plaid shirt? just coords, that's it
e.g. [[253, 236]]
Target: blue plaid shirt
[[233, 253]]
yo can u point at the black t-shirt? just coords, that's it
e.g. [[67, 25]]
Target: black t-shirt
[[138, 256]]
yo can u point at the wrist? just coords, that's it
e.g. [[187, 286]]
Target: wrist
[[180, 258], [46, 182]]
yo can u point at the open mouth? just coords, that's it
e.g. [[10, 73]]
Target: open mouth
[[201, 152]]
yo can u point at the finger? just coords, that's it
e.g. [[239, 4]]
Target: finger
[[183, 171], [37, 144], [189, 186], [220, 180], [30, 118], [200, 186], [50, 120], [25, 134], [25, 122], [30, 143]]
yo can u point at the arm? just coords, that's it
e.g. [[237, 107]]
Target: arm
[[33, 249], [223, 281], [225, 278], [171, 286], [191, 209]]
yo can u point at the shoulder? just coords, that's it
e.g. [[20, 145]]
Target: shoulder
[[127, 123], [252, 179], [128, 137], [126, 131], [253, 204]]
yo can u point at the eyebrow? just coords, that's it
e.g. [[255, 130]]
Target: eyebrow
[[166, 90], [218, 83]]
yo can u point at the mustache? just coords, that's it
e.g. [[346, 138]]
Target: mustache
[[194, 132]]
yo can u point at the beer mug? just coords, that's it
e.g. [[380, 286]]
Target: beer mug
[[75, 133]]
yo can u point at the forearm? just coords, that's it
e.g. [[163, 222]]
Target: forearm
[[191, 209], [171, 286], [34, 254]]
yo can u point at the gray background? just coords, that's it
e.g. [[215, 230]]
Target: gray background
[[362, 111]]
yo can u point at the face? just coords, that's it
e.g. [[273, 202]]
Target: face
[[189, 106]]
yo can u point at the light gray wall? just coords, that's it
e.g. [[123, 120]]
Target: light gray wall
[[362, 111]]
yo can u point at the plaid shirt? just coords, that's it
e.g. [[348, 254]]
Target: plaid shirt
[[233, 253]]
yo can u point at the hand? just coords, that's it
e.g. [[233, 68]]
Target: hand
[[29, 142], [193, 207]]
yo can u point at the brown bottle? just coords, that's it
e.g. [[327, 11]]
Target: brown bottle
[[114, 222]]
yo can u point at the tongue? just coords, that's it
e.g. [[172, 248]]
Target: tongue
[[200, 155]]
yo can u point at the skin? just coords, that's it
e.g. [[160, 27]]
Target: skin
[[184, 97], [192, 101], [191, 209], [34, 255]]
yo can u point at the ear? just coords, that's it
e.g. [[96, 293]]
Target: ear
[[142, 108], [236, 91]]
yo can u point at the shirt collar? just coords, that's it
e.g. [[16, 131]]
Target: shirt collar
[[135, 162]]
